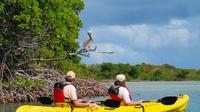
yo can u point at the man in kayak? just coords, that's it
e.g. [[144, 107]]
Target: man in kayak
[[70, 92], [120, 91]]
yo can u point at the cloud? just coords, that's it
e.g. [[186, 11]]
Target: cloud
[[124, 12], [150, 43], [156, 32], [177, 33]]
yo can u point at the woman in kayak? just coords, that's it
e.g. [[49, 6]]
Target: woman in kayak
[[120, 91], [68, 93]]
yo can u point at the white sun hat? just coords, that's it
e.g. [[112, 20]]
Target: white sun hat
[[120, 77], [71, 74]]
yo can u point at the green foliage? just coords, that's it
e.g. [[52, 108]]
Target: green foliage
[[109, 70], [22, 82], [34, 29], [5, 84], [182, 74], [1, 6], [194, 75], [134, 71], [167, 66], [144, 76]]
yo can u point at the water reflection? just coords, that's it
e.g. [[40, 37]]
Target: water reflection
[[11, 107]]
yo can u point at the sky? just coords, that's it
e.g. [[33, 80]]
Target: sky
[[143, 31]]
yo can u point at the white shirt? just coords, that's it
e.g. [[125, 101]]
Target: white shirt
[[124, 94], [70, 92]]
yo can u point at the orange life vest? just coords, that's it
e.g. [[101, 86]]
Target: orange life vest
[[58, 92], [114, 93]]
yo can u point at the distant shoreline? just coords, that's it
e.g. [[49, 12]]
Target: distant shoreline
[[111, 81]]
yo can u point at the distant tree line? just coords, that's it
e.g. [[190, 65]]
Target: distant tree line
[[143, 71]]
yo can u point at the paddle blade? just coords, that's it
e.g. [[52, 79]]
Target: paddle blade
[[112, 103], [168, 100], [45, 100]]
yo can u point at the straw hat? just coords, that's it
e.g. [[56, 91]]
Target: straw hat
[[71, 74], [120, 77]]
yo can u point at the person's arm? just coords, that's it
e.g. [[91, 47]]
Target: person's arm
[[78, 103]]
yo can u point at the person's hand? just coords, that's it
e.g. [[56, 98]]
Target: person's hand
[[82, 101], [139, 102], [94, 105]]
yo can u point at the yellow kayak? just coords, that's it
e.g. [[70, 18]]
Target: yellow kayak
[[164, 105]]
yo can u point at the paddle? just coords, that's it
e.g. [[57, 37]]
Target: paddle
[[45, 100], [112, 103], [168, 100], [109, 102]]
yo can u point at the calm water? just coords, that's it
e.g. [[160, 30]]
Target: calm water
[[152, 90], [156, 90]]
